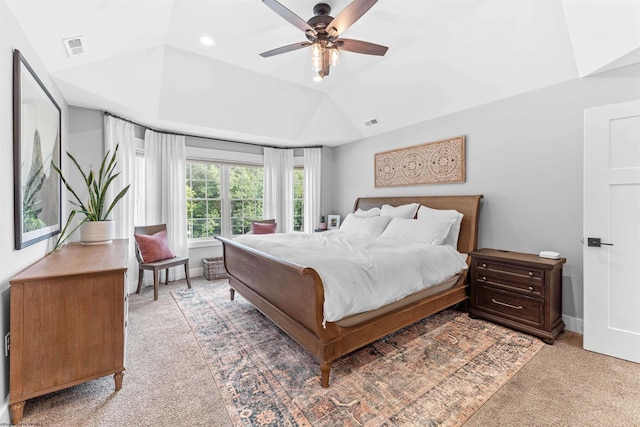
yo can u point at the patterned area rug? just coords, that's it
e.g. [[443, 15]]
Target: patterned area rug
[[436, 372]]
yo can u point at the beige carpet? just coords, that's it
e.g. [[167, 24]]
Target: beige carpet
[[168, 383], [564, 385]]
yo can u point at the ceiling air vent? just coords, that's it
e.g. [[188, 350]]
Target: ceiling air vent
[[75, 46], [372, 122]]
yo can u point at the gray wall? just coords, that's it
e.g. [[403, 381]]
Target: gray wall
[[86, 145], [524, 154], [14, 261]]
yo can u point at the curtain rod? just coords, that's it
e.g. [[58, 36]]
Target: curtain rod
[[106, 113]]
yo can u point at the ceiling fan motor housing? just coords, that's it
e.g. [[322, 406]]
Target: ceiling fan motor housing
[[320, 22], [321, 9]]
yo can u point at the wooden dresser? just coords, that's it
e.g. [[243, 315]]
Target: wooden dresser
[[518, 290], [67, 321]]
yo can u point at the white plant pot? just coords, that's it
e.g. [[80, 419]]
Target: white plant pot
[[97, 232]]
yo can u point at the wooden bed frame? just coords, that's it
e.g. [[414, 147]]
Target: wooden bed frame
[[292, 296]]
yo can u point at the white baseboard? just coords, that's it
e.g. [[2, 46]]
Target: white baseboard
[[573, 324], [195, 272]]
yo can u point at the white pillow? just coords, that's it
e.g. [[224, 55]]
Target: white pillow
[[368, 213], [429, 214], [431, 232], [404, 211], [372, 226]]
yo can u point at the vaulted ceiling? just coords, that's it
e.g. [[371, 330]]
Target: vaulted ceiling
[[143, 61]]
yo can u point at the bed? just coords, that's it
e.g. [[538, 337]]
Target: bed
[[292, 295]]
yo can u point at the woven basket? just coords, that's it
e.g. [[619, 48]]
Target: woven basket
[[214, 268]]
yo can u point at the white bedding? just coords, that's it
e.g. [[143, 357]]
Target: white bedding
[[362, 273]]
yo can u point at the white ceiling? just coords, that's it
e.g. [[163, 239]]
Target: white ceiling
[[144, 61]]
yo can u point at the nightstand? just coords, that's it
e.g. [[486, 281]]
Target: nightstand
[[518, 290]]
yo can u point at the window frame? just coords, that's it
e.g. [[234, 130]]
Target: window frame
[[233, 158], [230, 200], [299, 169], [206, 199]]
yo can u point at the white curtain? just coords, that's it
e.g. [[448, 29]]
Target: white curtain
[[165, 159], [312, 188], [278, 187], [121, 133]]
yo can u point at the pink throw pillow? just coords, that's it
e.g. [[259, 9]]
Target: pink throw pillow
[[263, 228], [154, 247]]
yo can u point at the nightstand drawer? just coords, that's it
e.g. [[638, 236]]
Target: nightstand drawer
[[517, 307], [510, 277], [508, 282]]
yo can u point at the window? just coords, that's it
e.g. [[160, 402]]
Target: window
[[222, 199], [245, 193], [298, 199], [204, 200], [225, 193]]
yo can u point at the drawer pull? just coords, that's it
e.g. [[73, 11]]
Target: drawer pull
[[484, 265], [531, 274], [517, 307], [484, 278], [530, 288]]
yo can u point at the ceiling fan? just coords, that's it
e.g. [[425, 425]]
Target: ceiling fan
[[323, 33]]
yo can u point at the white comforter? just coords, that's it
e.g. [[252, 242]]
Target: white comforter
[[362, 273]]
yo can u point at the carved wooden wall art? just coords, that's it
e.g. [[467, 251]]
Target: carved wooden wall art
[[437, 162]]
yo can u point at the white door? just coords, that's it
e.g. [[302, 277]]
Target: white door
[[612, 214]]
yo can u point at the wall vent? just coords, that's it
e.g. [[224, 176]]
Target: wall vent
[[75, 46], [372, 122]]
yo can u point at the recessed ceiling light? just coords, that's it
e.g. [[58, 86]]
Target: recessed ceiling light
[[206, 40]]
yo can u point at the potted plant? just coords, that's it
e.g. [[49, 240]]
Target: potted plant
[[323, 223], [96, 227]]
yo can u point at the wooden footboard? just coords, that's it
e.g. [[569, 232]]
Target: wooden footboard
[[292, 296]]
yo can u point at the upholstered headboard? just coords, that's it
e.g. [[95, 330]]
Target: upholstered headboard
[[469, 206]]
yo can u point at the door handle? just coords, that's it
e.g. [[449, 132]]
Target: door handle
[[596, 242]]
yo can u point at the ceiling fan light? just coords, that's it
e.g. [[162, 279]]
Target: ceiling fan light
[[316, 50], [334, 56], [316, 63], [317, 78]]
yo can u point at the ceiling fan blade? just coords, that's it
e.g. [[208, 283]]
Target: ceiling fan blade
[[285, 49], [348, 16], [290, 16], [359, 46]]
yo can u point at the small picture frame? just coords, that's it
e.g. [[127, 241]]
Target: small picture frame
[[333, 221]]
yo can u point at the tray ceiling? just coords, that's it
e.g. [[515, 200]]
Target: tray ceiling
[[143, 61]]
